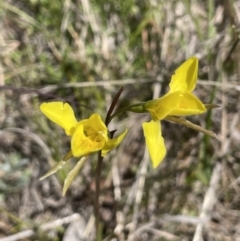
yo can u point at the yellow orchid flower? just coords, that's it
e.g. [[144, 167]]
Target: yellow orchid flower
[[179, 101], [88, 135]]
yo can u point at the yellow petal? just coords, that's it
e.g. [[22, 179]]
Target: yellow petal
[[61, 114], [188, 105], [185, 76], [95, 125], [82, 145], [154, 141], [160, 108], [113, 143]]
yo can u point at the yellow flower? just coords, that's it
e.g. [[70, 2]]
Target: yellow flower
[[88, 135], [179, 101]]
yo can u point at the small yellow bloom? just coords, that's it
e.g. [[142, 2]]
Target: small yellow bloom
[[179, 101], [88, 135]]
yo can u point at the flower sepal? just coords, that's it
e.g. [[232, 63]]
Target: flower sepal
[[211, 106], [154, 141], [189, 124], [113, 143]]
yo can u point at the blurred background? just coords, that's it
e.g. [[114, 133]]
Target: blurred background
[[82, 52]]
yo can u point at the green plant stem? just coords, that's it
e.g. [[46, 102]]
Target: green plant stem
[[136, 108], [97, 187], [99, 167]]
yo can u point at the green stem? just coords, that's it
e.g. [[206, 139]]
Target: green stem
[[97, 186], [136, 108]]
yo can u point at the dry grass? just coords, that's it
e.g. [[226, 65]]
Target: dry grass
[[82, 52]]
